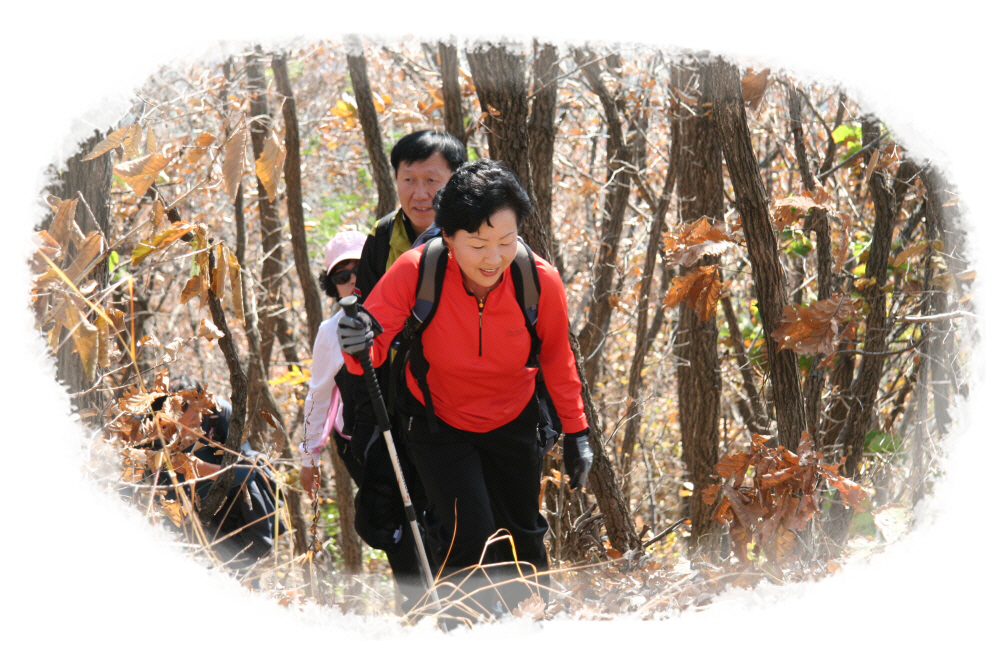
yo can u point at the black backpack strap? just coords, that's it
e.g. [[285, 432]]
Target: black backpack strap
[[527, 292], [430, 279]]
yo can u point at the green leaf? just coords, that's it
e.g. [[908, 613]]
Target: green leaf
[[842, 132], [879, 442]]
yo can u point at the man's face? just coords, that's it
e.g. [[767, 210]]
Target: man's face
[[416, 185]]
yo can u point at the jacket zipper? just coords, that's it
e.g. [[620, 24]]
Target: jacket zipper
[[482, 304]]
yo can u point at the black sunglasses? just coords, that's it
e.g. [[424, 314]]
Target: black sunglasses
[[343, 277]]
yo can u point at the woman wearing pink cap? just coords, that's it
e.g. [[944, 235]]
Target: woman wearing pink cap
[[324, 404]]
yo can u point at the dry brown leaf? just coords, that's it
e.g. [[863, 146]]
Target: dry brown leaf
[[268, 165], [906, 254], [235, 158], [219, 278], [817, 328], [132, 140], [208, 330], [754, 86], [113, 140], [194, 287], [791, 209], [92, 247], [235, 284], [150, 142], [65, 219], [85, 344], [201, 145], [149, 165], [700, 288], [872, 165], [103, 342]]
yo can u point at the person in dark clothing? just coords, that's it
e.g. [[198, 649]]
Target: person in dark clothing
[[243, 531], [477, 451], [422, 163]]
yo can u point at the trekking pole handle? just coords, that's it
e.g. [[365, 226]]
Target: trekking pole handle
[[350, 306]]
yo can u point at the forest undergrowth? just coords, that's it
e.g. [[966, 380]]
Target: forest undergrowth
[[768, 293]]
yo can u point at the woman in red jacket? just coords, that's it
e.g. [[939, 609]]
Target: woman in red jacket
[[480, 463]]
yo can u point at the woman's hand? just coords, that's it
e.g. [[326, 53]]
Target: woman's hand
[[577, 457]]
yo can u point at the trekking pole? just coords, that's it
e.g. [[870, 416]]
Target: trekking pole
[[350, 306]]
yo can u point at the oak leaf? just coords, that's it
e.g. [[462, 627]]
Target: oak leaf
[[817, 328], [693, 241], [700, 288], [791, 209]]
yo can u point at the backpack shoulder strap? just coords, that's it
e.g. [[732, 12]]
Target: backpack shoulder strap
[[430, 280], [527, 288]]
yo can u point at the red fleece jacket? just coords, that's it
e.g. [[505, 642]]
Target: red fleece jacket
[[477, 377]]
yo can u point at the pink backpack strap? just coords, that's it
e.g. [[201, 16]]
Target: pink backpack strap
[[335, 416]]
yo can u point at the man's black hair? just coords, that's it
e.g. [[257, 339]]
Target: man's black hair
[[476, 191], [419, 146], [177, 384]]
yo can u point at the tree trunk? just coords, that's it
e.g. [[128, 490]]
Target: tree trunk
[[350, 542], [940, 342], [272, 323], [385, 184], [699, 379], [594, 330], [90, 183], [500, 85], [601, 481], [817, 222], [542, 140], [293, 199], [751, 408], [451, 91], [723, 92], [864, 390]]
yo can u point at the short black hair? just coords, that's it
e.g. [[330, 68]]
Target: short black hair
[[418, 146], [177, 385], [326, 279], [476, 191]]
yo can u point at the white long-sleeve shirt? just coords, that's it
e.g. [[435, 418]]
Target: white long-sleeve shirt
[[326, 362]]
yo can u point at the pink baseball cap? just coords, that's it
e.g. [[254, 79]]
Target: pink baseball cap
[[344, 245]]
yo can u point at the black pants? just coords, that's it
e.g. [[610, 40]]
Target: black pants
[[477, 484]]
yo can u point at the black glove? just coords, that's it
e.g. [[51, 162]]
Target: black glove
[[356, 334], [577, 457]]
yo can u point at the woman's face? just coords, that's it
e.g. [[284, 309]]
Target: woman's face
[[483, 255], [345, 289]]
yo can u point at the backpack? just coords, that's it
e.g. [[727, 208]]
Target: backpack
[[408, 346]]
